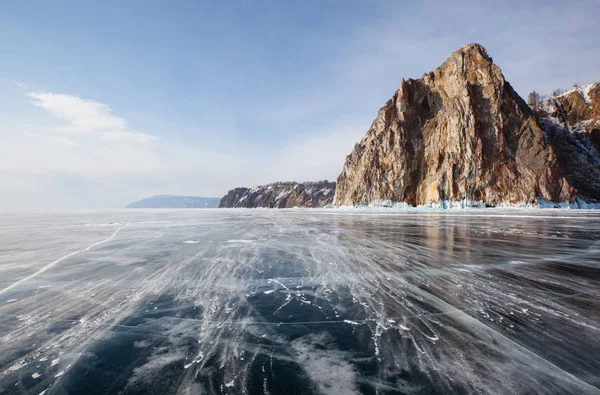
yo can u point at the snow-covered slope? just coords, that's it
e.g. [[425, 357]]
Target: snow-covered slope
[[572, 128], [579, 111]]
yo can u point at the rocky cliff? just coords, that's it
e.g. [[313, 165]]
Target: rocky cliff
[[281, 195], [459, 133], [579, 110], [573, 128]]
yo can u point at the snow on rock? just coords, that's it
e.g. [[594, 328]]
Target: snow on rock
[[281, 195]]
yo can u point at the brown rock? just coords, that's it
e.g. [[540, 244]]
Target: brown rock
[[459, 132]]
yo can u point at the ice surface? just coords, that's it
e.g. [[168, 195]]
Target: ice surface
[[311, 301]]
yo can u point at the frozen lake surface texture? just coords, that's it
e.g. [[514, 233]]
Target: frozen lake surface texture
[[300, 302]]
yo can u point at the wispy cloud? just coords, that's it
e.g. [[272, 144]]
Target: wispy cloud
[[18, 84], [60, 140], [84, 116]]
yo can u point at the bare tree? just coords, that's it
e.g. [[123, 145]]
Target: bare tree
[[533, 100], [543, 103]]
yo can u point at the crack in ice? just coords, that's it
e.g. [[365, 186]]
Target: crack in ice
[[59, 260]]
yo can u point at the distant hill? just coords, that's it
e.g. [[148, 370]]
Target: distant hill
[[170, 201]]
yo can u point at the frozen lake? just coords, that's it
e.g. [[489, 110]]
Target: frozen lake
[[299, 302]]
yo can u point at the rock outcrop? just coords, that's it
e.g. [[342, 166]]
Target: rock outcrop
[[579, 110], [459, 133], [281, 195], [573, 129]]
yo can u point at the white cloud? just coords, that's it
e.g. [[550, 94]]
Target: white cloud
[[78, 154], [84, 116], [61, 140]]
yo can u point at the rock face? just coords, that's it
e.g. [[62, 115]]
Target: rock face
[[573, 129], [459, 133], [579, 110], [170, 201], [281, 195]]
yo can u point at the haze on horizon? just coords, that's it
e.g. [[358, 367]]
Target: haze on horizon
[[105, 104]]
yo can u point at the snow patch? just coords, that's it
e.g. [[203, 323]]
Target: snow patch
[[17, 366], [154, 365], [328, 368]]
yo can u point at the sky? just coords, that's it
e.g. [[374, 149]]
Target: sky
[[107, 102]]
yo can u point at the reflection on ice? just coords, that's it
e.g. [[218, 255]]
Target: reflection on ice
[[305, 301]]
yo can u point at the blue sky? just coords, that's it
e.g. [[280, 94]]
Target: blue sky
[[108, 102]]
